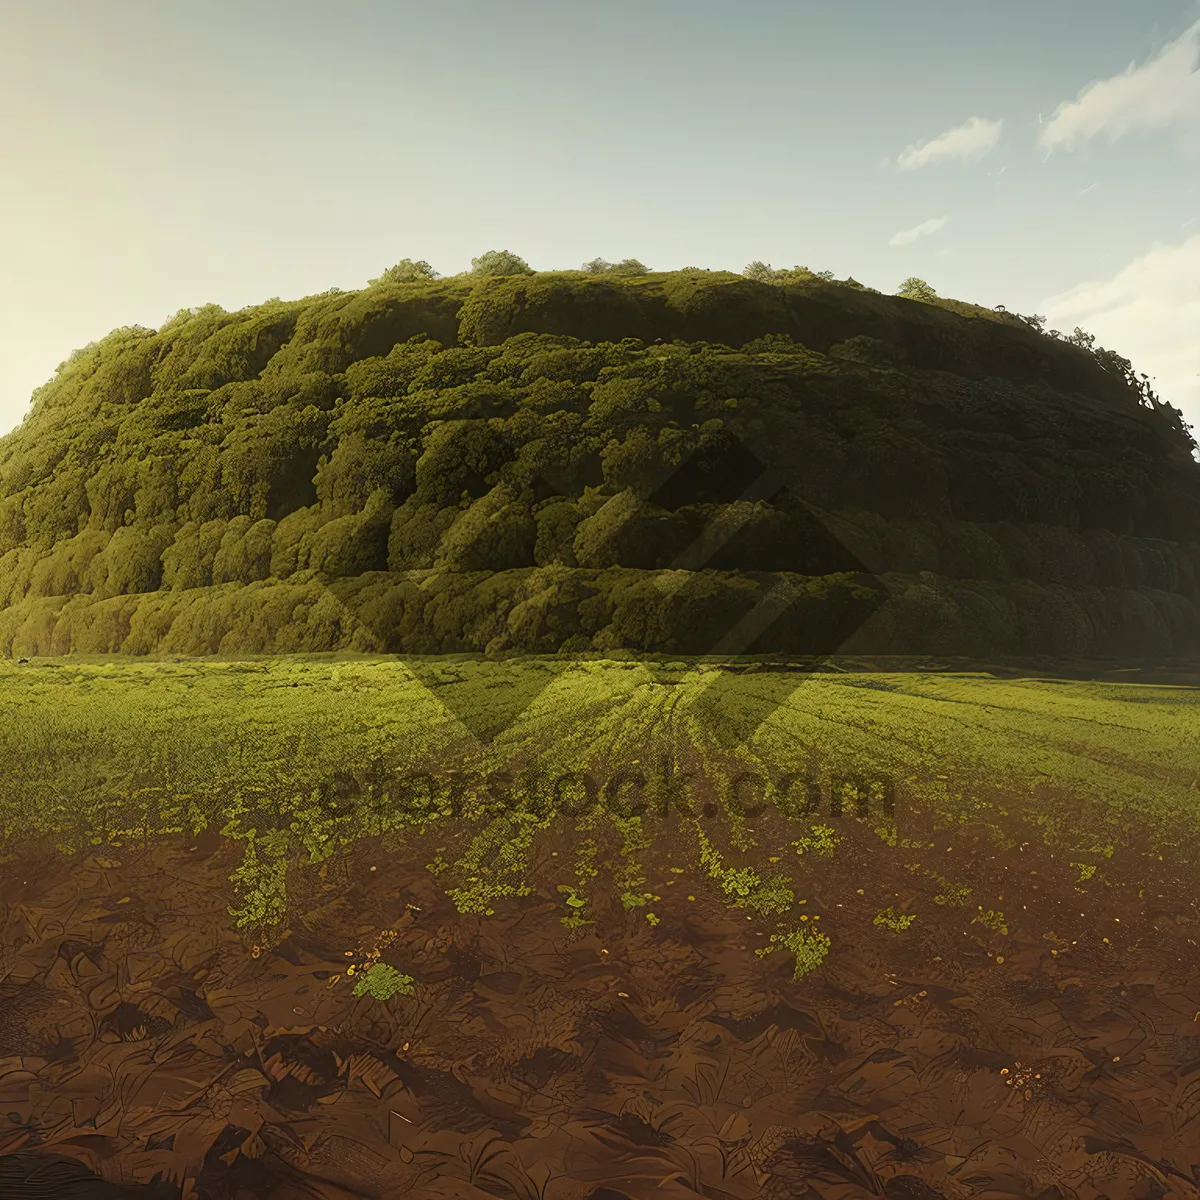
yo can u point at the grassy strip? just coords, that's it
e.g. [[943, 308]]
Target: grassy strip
[[298, 757]]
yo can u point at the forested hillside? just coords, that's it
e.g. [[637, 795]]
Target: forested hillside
[[598, 461]]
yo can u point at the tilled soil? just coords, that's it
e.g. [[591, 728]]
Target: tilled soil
[[148, 1048]]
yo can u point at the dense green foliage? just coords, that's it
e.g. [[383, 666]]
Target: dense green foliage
[[382, 982], [598, 460], [916, 289]]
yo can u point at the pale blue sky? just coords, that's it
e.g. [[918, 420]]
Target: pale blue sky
[[159, 154]]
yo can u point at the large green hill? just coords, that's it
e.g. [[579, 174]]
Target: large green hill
[[685, 462]]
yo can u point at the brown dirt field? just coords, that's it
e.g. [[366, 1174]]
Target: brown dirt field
[[148, 1049]]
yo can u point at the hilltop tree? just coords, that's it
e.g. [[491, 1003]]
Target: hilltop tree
[[182, 316], [765, 273], [916, 289], [407, 271], [759, 271], [627, 266], [500, 262]]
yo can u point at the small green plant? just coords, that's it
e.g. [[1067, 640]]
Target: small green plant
[[953, 894], [809, 947], [772, 895], [990, 920], [477, 895], [261, 883], [741, 882], [743, 885], [315, 830], [383, 982], [627, 869], [896, 922], [823, 841], [585, 871], [495, 865]]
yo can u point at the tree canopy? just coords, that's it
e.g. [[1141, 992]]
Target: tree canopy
[[500, 262], [514, 460], [916, 289], [406, 271]]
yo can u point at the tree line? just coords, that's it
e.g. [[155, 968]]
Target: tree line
[[604, 427]]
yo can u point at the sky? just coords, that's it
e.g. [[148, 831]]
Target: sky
[[1040, 154]]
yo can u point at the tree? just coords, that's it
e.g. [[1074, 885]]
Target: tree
[[500, 262], [795, 274], [180, 318], [761, 272], [916, 289], [627, 266], [406, 271]]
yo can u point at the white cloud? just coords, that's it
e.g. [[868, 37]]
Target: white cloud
[[906, 236], [969, 141], [1160, 92], [1149, 312]]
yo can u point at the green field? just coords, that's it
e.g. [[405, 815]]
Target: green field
[[300, 758]]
